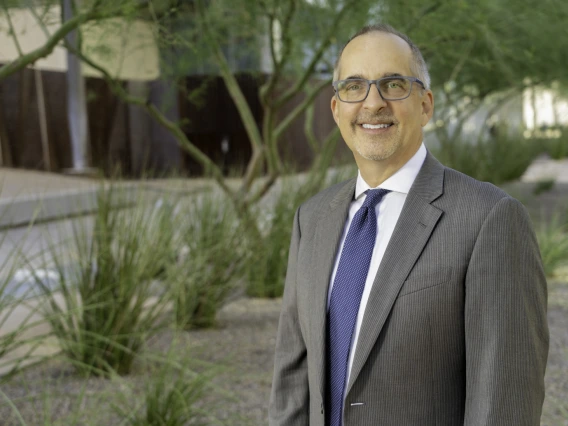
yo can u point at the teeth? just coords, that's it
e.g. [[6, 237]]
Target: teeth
[[375, 126]]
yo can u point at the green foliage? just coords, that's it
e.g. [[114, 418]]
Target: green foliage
[[489, 44], [105, 304], [543, 185], [557, 148], [170, 397], [496, 160], [241, 28], [553, 242], [207, 272], [268, 257], [266, 268], [17, 342]]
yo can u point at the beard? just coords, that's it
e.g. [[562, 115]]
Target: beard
[[377, 150], [375, 147]]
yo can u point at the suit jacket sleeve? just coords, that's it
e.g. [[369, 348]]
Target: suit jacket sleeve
[[289, 401], [506, 331]]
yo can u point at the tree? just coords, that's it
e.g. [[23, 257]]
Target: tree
[[300, 35], [484, 54], [476, 51]]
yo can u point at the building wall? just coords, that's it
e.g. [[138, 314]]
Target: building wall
[[124, 138], [127, 49]]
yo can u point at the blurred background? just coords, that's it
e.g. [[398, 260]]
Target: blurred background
[[79, 76], [152, 156]]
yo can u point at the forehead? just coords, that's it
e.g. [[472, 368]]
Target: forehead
[[374, 55]]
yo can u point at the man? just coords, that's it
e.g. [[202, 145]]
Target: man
[[415, 295]]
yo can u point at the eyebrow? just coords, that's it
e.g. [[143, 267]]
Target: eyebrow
[[360, 77]]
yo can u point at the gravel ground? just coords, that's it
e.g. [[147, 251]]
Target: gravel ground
[[239, 352], [242, 345]]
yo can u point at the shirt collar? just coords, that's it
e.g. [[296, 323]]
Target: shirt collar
[[402, 180]]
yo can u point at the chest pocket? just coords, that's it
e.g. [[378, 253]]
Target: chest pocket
[[421, 280]]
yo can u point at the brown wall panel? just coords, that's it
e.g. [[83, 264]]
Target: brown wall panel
[[121, 136]]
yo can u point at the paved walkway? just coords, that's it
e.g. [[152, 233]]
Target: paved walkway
[[545, 168], [27, 196]]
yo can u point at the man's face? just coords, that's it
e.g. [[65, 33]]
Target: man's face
[[372, 56]]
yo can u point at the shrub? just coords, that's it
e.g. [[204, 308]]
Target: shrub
[[169, 397], [268, 258], [497, 160], [543, 185], [553, 242], [266, 266], [208, 271], [105, 303], [557, 148], [17, 342]]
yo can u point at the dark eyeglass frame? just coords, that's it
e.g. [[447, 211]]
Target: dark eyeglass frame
[[335, 84]]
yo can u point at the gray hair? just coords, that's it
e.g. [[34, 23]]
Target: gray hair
[[418, 64]]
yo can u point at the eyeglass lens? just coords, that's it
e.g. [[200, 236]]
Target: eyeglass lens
[[355, 90]]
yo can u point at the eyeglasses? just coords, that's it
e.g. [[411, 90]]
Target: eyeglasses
[[390, 88]]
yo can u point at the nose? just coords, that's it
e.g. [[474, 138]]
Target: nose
[[374, 99]]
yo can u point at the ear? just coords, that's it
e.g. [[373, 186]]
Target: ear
[[427, 107], [335, 109]]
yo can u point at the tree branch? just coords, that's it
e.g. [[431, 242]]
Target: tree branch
[[295, 113], [286, 97], [253, 170], [504, 99], [13, 31], [232, 86], [324, 157], [496, 51], [39, 21], [262, 189], [461, 61], [309, 129], [267, 89], [157, 115], [423, 13], [68, 26]]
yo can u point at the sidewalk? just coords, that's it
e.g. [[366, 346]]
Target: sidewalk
[[546, 168], [33, 196], [29, 195]]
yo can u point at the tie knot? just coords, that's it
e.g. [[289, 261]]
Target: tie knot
[[374, 196]]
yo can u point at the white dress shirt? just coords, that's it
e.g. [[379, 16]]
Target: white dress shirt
[[387, 212]]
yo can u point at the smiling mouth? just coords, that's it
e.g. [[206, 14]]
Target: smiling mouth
[[376, 126]]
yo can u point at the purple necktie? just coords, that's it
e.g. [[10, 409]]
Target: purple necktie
[[345, 299]]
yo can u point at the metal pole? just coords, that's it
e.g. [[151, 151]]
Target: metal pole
[[42, 119], [76, 101]]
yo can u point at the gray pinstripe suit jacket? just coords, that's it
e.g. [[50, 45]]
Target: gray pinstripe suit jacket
[[455, 330]]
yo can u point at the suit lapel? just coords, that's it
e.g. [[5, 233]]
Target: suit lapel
[[413, 229], [329, 229]]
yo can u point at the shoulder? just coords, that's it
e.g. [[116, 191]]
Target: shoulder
[[464, 187], [322, 201], [475, 199]]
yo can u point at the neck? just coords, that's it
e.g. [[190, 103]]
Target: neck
[[374, 176], [375, 172]]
